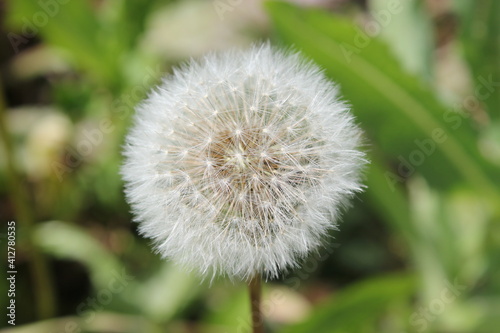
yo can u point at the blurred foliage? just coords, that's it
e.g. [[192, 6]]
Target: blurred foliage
[[418, 252]]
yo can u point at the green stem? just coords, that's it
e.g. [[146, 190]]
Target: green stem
[[40, 273], [254, 287]]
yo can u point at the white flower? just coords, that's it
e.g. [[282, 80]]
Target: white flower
[[239, 163]]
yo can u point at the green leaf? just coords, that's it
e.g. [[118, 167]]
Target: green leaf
[[407, 29], [74, 27], [167, 292], [403, 117], [358, 307], [68, 241], [480, 27], [392, 205], [229, 309]]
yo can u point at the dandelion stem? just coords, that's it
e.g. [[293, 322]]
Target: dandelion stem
[[254, 287]]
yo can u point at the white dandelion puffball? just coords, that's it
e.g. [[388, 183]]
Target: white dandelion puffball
[[239, 162]]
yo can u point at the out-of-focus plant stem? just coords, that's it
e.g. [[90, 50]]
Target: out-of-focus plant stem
[[40, 273]]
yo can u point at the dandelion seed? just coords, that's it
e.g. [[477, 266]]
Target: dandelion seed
[[262, 154]]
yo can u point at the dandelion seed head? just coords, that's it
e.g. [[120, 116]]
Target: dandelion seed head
[[262, 155]]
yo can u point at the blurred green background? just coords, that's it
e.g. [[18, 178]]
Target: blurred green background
[[419, 251]]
